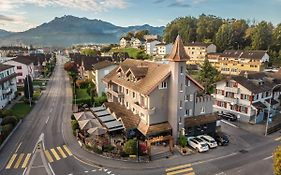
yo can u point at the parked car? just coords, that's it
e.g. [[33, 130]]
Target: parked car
[[228, 116], [221, 139], [209, 140], [198, 144]]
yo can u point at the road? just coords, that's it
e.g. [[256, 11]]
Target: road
[[41, 145]]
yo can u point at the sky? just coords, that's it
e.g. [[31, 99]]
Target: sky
[[20, 15]]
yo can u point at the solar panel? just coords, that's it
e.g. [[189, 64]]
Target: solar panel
[[97, 109], [107, 118], [113, 124]]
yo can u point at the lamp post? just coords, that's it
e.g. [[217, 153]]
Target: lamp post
[[269, 109]]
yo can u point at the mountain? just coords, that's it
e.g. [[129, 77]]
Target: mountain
[[4, 33], [68, 30]]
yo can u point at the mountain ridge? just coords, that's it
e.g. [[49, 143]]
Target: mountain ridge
[[69, 30]]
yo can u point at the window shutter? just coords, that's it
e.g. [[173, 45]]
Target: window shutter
[[222, 92], [241, 96]]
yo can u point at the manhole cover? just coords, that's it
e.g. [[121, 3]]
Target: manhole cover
[[243, 151]]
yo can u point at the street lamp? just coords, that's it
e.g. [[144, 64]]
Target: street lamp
[[269, 109]]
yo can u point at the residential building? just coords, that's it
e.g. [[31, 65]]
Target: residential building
[[23, 67], [150, 37], [248, 95], [99, 71], [157, 99], [163, 49], [233, 62], [8, 85], [150, 46], [136, 43], [197, 51], [124, 42]]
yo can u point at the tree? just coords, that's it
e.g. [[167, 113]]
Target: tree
[[90, 52], [70, 66], [28, 87], [276, 38], [182, 141], [208, 75], [130, 147], [239, 28], [277, 161], [140, 34], [262, 36], [224, 37]]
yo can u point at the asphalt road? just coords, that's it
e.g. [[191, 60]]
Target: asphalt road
[[38, 146]]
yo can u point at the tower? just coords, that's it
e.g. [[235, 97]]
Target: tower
[[177, 90]]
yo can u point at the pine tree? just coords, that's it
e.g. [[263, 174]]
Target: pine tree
[[28, 87]]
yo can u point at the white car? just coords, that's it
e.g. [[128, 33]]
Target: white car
[[209, 140], [198, 144]]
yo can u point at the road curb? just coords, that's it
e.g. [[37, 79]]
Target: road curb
[[10, 135]]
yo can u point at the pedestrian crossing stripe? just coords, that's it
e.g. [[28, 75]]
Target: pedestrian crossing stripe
[[11, 161], [58, 153], [181, 169], [25, 162], [19, 161], [278, 139], [55, 154], [48, 155], [61, 152], [67, 150]]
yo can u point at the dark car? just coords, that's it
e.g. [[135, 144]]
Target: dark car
[[221, 139], [228, 116]]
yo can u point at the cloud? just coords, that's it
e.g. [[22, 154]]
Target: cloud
[[179, 3], [5, 18], [86, 5]]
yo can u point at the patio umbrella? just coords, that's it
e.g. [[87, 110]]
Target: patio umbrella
[[97, 131]]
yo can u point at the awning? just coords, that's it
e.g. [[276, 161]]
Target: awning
[[154, 129], [259, 105], [201, 120]]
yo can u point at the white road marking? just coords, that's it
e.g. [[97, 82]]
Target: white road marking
[[86, 171], [217, 158], [51, 168], [18, 147], [226, 122], [94, 170], [24, 171], [221, 173], [47, 119], [108, 172], [267, 158]]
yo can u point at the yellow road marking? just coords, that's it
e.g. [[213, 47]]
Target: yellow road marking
[[26, 160], [55, 154], [11, 161], [67, 150], [277, 139], [19, 161], [49, 157], [178, 167], [61, 152], [180, 171], [192, 173]]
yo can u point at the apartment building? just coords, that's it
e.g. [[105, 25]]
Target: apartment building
[[249, 96], [99, 71], [233, 62], [197, 51], [8, 85], [160, 97], [150, 46], [23, 67], [136, 43], [163, 49]]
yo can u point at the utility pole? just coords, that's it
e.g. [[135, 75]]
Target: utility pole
[[27, 81]]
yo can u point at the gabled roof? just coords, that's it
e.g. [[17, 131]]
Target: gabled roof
[[152, 74], [102, 65], [178, 53], [5, 67], [250, 54], [23, 60]]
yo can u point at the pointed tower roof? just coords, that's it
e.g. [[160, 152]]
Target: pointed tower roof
[[178, 53]]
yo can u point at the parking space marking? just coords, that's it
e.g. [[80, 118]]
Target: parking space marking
[[228, 123]]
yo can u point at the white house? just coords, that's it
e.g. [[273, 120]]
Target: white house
[[150, 46], [8, 85], [136, 43], [124, 42], [23, 67], [163, 49]]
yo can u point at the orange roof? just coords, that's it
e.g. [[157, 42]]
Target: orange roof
[[178, 53]]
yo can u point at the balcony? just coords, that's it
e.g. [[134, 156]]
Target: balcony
[[7, 91], [233, 101], [143, 110], [231, 89], [116, 93]]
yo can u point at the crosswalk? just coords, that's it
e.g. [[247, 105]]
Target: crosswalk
[[278, 139], [21, 160], [181, 169]]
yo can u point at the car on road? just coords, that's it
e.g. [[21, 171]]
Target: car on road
[[209, 140], [198, 144], [228, 116], [221, 139]]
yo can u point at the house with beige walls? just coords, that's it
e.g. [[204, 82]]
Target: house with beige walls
[[197, 51]]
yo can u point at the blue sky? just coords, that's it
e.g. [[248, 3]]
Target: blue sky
[[20, 15]]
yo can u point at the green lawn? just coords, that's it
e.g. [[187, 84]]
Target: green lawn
[[82, 93], [20, 110], [133, 52], [38, 82]]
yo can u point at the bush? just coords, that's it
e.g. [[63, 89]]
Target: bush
[[100, 100], [74, 126], [182, 141], [4, 113], [72, 117], [7, 129], [277, 161], [9, 120], [80, 101], [108, 148], [130, 147]]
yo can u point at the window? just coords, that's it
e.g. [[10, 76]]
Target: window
[[134, 95], [202, 110], [190, 112], [164, 85], [180, 104], [181, 70], [186, 97], [19, 67], [127, 104], [181, 87], [19, 74], [127, 91], [191, 97]]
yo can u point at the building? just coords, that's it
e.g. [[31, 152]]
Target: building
[[8, 84], [99, 71], [233, 62], [157, 99], [23, 67], [197, 51], [150, 37], [124, 42], [150, 46], [163, 49], [136, 43], [248, 95]]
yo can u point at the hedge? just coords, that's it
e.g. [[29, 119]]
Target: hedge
[[9, 120]]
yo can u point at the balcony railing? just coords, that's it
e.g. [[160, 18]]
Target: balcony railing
[[231, 89], [7, 91], [231, 100], [143, 109], [116, 93]]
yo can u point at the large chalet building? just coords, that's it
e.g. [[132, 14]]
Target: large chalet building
[[159, 99]]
